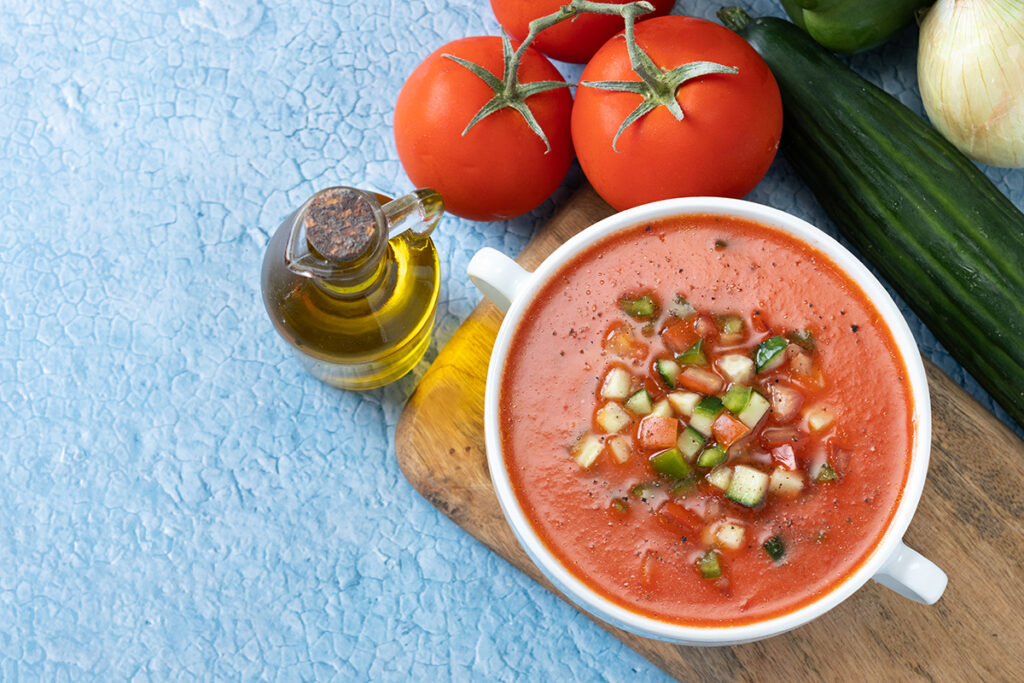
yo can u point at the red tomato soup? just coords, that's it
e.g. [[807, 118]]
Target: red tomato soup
[[706, 421]]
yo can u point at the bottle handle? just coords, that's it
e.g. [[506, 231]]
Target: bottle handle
[[418, 211], [912, 575], [497, 276]]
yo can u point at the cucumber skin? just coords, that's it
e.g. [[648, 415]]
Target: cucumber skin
[[936, 228]]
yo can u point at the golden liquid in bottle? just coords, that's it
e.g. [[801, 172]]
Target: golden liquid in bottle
[[359, 337]]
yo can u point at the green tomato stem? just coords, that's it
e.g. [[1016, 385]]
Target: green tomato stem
[[509, 93]]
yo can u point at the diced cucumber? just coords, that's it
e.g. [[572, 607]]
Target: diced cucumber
[[612, 417], [819, 419], [720, 477], [689, 443], [705, 413], [708, 565], [681, 308], [785, 482], [756, 408], [620, 447], [736, 367], [775, 548], [730, 535], [662, 409], [641, 307], [670, 463], [683, 402], [712, 457], [694, 355], [616, 384], [586, 449], [747, 486], [770, 353], [736, 399], [668, 370], [640, 403]]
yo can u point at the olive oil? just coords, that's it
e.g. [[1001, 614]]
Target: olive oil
[[356, 307]]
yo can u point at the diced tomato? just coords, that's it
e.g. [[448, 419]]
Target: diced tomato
[[785, 456], [773, 436], [679, 336], [700, 380], [658, 432], [728, 430], [622, 342], [679, 516], [799, 360], [705, 326], [840, 459]]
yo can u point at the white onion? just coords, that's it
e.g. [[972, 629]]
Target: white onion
[[970, 67]]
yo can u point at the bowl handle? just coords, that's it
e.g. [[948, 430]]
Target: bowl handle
[[497, 276], [912, 575]]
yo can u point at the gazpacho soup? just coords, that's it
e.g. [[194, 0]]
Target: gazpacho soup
[[706, 421]]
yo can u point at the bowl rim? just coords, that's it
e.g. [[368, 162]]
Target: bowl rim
[[587, 598]]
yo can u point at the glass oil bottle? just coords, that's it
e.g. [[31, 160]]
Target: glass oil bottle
[[351, 280]]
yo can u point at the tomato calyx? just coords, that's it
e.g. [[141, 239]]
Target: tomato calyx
[[656, 86], [509, 93]]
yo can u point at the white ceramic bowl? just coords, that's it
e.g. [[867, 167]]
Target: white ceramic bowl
[[891, 563]]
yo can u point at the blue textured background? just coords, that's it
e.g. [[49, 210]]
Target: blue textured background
[[178, 499]]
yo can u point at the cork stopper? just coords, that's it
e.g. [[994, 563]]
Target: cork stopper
[[340, 224]]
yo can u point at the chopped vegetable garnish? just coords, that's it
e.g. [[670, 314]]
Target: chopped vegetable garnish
[[618, 505], [708, 565], [730, 535], [705, 413], [747, 486], [712, 457], [819, 419], [825, 474], [769, 353], [720, 477], [683, 402], [694, 355], [642, 307], [668, 370], [620, 447], [586, 449], [786, 402], [757, 408], [670, 463], [683, 487], [681, 308], [662, 408], [785, 482], [690, 443], [728, 430], [802, 338], [640, 403], [616, 384], [699, 379], [732, 328], [736, 367], [612, 417], [736, 399], [658, 432], [775, 548]]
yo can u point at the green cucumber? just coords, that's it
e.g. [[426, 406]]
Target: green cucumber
[[737, 398], [712, 457], [640, 403], [936, 228], [689, 443], [709, 566], [769, 354], [668, 370], [670, 464], [748, 486], [705, 413], [694, 355]]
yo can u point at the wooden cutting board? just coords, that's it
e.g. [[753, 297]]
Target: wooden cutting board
[[968, 522]]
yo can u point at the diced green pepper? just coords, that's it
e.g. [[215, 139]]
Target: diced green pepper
[[694, 355], [708, 565], [641, 307], [670, 463], [737, 398], [712, 457], [826, 474]]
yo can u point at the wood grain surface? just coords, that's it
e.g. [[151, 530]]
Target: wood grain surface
[[968, 522]]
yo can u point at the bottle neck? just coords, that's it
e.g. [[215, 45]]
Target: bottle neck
[[357, 284]]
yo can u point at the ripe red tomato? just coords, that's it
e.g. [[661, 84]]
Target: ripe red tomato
[[499, 168], [722, 147], [575, 40]]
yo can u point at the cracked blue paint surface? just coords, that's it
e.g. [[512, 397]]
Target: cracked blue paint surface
[[178, 499]]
